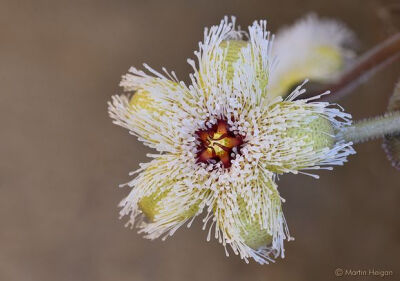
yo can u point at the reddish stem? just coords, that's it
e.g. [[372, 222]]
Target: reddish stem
[[366, 66]]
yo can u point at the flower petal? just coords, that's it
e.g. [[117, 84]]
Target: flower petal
[[160, 193], [155, 113]]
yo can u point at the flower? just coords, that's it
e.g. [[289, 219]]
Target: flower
[[313, 48], [222, 142]]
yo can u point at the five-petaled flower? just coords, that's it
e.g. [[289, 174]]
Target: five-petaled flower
[[222, 141]]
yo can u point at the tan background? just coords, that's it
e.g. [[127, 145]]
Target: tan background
[[62, 159]]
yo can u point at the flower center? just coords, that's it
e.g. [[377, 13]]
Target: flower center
[[218, 144]]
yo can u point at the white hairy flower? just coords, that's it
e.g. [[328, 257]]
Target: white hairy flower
[[312, 48], [222, 141]]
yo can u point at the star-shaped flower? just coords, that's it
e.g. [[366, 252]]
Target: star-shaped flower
[[222, 141]]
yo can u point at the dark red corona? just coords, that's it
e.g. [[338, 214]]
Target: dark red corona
[[217, 143]]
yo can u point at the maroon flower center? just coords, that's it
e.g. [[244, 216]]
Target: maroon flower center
[[217, 144]]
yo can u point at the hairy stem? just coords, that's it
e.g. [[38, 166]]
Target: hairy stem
[[366, 66], [368, 129]]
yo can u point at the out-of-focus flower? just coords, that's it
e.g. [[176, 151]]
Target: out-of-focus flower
[[222, 141], [315, 49]]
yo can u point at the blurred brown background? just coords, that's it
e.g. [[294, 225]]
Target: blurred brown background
[[62, 159]]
